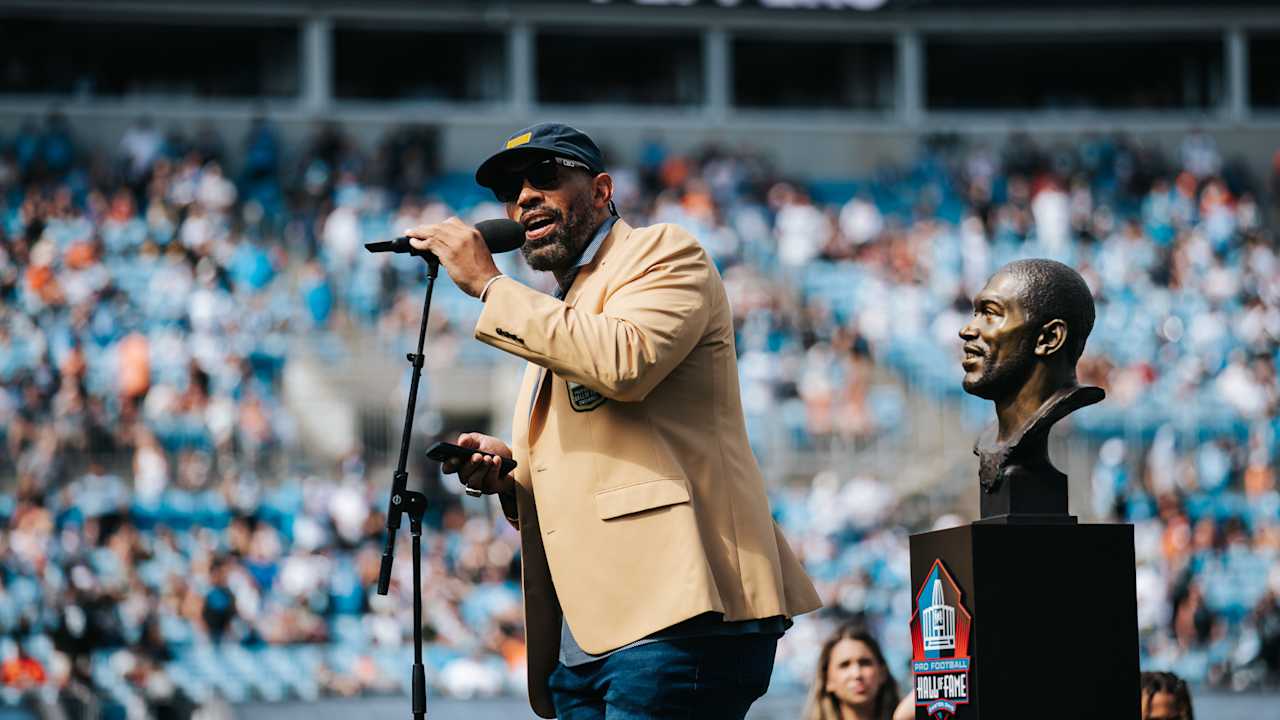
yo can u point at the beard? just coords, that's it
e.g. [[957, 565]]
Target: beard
[[1004, 376], [560, 249]]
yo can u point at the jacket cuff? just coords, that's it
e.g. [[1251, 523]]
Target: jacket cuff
[[510, 508]]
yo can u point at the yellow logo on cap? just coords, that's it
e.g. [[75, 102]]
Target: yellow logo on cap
[[519, 140]]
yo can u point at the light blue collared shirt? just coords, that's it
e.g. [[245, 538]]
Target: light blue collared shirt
[[588, 254]]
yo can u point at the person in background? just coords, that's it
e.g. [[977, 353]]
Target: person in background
[[907, 708], [1165, 697], [852, 680], [20, 670]]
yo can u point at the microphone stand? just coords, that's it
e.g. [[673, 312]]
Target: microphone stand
[[414, 504]]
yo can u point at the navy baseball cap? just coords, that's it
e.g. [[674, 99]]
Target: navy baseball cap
[[541, 140]]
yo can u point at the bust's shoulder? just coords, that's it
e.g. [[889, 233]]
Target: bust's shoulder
[[1061, 404]]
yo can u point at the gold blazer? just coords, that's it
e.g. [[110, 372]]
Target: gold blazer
[[638, 500]]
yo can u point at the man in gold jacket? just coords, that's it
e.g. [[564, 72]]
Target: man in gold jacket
[[656, 584]]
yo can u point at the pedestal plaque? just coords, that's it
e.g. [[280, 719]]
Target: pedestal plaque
[[1051, 615]]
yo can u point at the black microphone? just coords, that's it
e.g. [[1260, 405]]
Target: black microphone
[[499, 236]]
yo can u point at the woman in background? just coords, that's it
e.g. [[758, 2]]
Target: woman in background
[[1165, 697], [852, 681]]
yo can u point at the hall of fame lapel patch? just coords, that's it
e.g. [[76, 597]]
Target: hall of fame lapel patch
[[583, 398]]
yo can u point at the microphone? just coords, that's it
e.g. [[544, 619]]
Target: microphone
[[499, 236]]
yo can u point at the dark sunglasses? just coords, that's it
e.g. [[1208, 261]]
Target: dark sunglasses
[[542, 175]]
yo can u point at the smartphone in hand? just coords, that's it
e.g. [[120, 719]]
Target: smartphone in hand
[[442, 451]]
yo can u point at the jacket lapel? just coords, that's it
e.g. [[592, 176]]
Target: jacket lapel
[[619, 232]]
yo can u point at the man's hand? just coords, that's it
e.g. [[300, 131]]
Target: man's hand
[[461, 251], [482, 472]]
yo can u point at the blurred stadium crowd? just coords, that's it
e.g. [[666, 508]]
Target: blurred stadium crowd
[[163, 545]]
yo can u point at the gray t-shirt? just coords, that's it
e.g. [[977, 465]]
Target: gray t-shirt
[[710, 623]]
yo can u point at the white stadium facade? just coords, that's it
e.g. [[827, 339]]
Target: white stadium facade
[[830, 86]]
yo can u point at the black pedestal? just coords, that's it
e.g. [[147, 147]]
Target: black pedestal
[[1050, 614]]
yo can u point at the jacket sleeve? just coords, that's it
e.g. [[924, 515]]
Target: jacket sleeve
[[510, 508], [652, 319]]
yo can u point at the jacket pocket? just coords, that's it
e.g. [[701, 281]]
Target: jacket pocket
[[648, 495]]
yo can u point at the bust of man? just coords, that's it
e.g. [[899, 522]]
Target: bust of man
[[1028, 329]]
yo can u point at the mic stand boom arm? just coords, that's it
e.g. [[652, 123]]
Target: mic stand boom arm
[[414, 504]]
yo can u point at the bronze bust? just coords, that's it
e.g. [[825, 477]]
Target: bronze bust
[[1028, 329]]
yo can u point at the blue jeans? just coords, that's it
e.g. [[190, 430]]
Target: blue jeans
[[703, 678]]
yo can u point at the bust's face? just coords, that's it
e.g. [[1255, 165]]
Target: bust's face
[[999, 342]]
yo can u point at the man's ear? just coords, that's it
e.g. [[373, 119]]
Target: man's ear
[[601, 190], [1053, 336]]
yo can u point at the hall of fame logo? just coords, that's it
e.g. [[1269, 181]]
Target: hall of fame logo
[[583, 398], [940, 644]]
